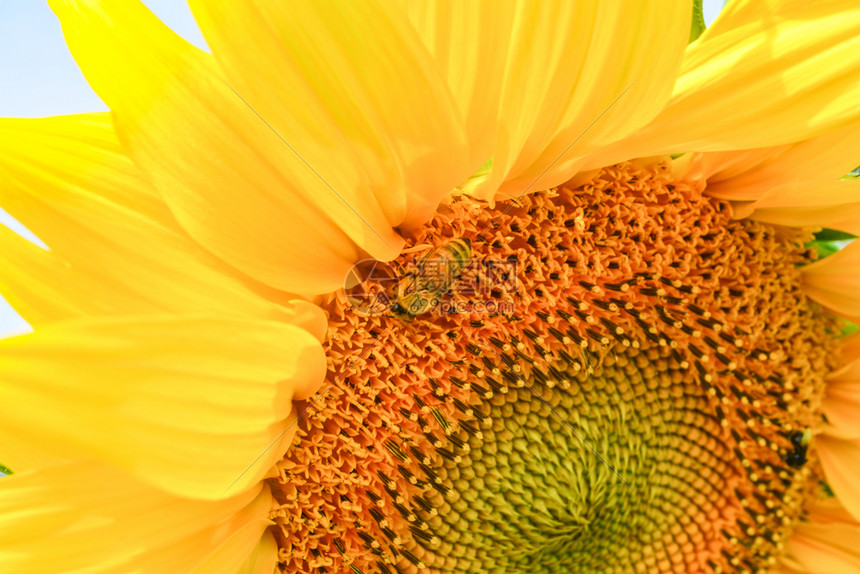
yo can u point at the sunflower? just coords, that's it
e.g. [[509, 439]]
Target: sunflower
[[632, 360]]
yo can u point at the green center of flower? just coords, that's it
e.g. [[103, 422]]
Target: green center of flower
[[610, 385], [622, 468]]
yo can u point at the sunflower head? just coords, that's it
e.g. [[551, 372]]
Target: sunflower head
[[612, 383], [442, 287]]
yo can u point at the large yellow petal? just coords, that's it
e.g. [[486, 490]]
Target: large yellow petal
[[835, 281], [288, 207], [766, 73], [579, 76], [42, 287], [19, 458], [830, 204], [350, 86], [84, 517], [825, 543], [201, 407], [841, 406], [469, 42], [251, 541], [841, 403], [115, 246], [840, 459], [263, 558], [749, 174]]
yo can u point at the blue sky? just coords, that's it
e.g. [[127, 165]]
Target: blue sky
[[38, 77]]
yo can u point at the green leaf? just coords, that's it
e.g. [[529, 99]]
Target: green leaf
[[698, 24], [833, 235], [485, 169], [823, 248], [5, 469], [848, 328]]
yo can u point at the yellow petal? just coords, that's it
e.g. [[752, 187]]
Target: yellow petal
[[841, 403], [253, 541], [841, 406], [766, 73], [19, 458], [826, 543], [41, 287], [840, 460], [102, 521], [287, 207], [199, 406], [350, 85], [850, 368], [263, 558], [469, 43], [45, 288], [835, 281], [579, 76], [749, 174], [115, 246], [830, 204]]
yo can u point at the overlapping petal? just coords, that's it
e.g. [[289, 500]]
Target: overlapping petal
[[21, 458], [747, 175], [766, 73], [291, 160], [841, 402], [818, 203], [288, 164], [42, 287], [838, 447], [352, 79], [574, 77], [840, 459], [99, 520], [835, 281], [114, 245], [470, 43], [825, 543], [201, 407]]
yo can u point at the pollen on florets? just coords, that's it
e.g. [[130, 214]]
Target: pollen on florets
[[635, 409]]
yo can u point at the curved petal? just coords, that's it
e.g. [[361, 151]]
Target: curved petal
[[841, 406], [835, 281], [251, 540], [766, 73], [42, 288], [45, 288], [67, 180], [352, 74], [840, 460], [101, 521], [830, 204], [579, 76], [850, 369], [841, 402], [285, 204], [263, 558], [749, 174], [19, 458], [825, 543], [469, 42], [201, 407]]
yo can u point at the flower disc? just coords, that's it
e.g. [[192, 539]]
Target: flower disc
[[623, 379]]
